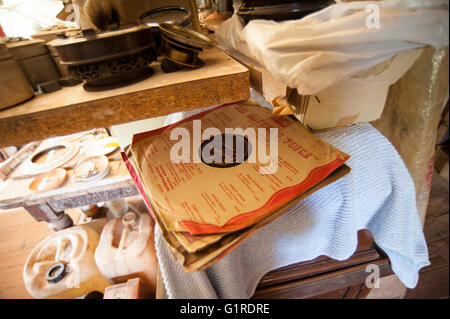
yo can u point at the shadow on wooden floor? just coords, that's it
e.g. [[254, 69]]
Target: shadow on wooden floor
[[433, 280]]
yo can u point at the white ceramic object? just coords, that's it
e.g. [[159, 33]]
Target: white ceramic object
[[118, 207], [100, 147], [52, 161], [91, 169], [48, 181], [70, 138], [126, 249], [63, 266]]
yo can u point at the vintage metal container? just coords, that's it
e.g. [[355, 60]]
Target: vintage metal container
[[14, 86], [109, 59], [182, 46], [35, 60], [62, 68], [50, 34], [126, 249], [63, 265]]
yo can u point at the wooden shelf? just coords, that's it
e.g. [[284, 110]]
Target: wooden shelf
[[117, 184], [72, 109]]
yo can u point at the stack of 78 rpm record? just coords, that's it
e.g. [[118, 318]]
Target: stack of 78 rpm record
[[214, 179]]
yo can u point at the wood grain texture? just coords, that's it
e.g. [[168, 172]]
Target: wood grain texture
[[19, 233], [365, 252], [325, 278], [324, 283], [316, 267], [72, 109], [43, 212], [357, 291], [443, 125], [434, 279], [118, 184], [353, 292]]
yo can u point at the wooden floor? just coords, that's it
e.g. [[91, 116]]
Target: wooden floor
[[19, 233], [433, 280]]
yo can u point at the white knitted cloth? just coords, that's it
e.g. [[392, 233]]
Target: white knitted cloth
[[378, 194]]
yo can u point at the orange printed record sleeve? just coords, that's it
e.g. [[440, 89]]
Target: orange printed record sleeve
[[193, 258], [228, 167]]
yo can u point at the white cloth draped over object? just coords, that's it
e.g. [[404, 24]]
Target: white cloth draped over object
[[342, 40]]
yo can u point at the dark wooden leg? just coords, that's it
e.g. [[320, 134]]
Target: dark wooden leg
[[43, 212], [363, 292]]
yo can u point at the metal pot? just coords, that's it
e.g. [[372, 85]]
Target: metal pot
[[109, 59], [14, 86]]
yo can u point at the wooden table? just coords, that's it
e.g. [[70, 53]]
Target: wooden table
[[221, 80], [326, 278], [49, 206], [322, 277]]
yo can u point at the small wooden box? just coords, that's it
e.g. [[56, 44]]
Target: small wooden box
[[133, 289], [358, 99]]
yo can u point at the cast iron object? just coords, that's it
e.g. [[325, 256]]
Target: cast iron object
[[110, 59], [181, 46], [280, 10]]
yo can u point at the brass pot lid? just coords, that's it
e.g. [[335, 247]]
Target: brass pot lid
[[170, 14], [91, 47], [187, 36]]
